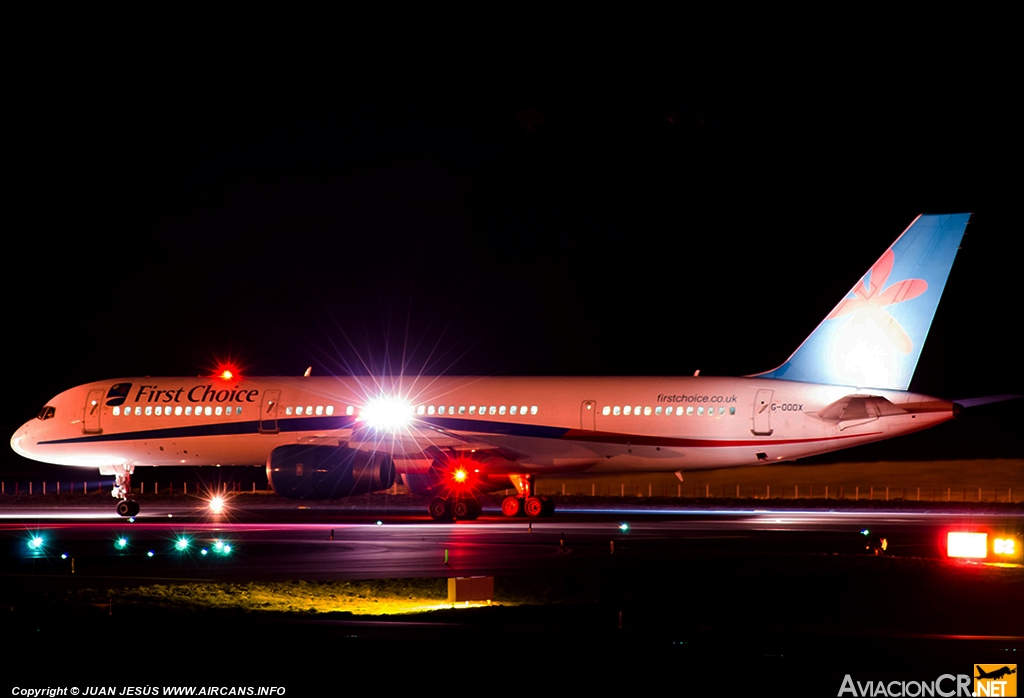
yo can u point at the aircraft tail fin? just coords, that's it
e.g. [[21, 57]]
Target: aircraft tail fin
[[874, 337]]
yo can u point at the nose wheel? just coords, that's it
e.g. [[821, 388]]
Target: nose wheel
[[123, 491], [128, 507]]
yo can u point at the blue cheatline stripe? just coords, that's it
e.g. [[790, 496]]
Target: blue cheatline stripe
[[507, 428], [444, 424]]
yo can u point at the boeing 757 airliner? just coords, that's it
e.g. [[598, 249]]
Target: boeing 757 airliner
[[455, 437]]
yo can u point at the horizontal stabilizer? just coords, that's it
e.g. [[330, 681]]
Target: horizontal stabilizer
[[987, 400]]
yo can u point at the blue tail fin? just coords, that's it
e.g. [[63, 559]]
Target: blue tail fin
[[874, 337]]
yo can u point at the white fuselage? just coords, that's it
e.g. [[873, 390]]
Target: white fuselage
[[535, 424]]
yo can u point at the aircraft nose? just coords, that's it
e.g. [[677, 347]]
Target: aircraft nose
[[22, 441]]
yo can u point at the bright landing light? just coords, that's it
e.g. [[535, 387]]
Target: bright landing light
[[388, 413], [217, 504]]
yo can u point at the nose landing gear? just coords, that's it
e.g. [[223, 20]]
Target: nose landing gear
[[123, 490]]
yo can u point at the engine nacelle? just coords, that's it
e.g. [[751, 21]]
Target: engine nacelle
[[327, 472]]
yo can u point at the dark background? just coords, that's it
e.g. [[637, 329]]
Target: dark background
[[377, 209]]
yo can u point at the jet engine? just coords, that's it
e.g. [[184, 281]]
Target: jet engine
[[327, 472]]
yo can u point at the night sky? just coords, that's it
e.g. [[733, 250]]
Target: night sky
[[566, 221]]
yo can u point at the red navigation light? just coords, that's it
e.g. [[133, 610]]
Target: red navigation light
[[462, 474], [226, 369]]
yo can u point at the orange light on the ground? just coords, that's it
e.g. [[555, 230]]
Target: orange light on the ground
[[1005, 546], [969, 545]]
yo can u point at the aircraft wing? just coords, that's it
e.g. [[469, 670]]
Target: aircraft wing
[[423, 437]]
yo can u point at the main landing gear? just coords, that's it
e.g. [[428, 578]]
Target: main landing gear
[[123, 490], [454, 508], [525, 502]]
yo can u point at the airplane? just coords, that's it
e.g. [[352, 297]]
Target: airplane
[[457, 437], [995, 673]]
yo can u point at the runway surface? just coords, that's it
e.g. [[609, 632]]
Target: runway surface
[[784, 591], [315, 545]]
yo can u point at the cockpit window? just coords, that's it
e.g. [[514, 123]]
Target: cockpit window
[[46, 413]]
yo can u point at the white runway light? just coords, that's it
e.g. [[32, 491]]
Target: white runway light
[[388, 414], [970, 545]]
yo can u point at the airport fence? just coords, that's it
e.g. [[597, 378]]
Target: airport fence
[[18, 488], [827, 492]]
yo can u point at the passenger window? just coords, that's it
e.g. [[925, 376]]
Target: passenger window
[[177, 410], [732, 410], [472, 409], [657, 410], [149, 410], [330, 410], [288, 410], [462, 409], [188, 411], [430, 409], [440, 409], [606, 410], [116, 411], [689, 411], [616, 410], [493, 410], [626, 410], [512, 410], [218, 411], [319, 409], [533, 409], [208, 411], [298, 410], [522, 410], [647, 411], [501, 410], [349, 410]]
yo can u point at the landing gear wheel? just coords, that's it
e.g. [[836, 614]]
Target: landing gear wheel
[[124, 508], [512, 506], [466, 509], [440, 509], [534, 507], [133, 508]]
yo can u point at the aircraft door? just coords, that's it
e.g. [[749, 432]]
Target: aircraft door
[[93, 408], [762, 413], [268, 412], [588, 413]]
